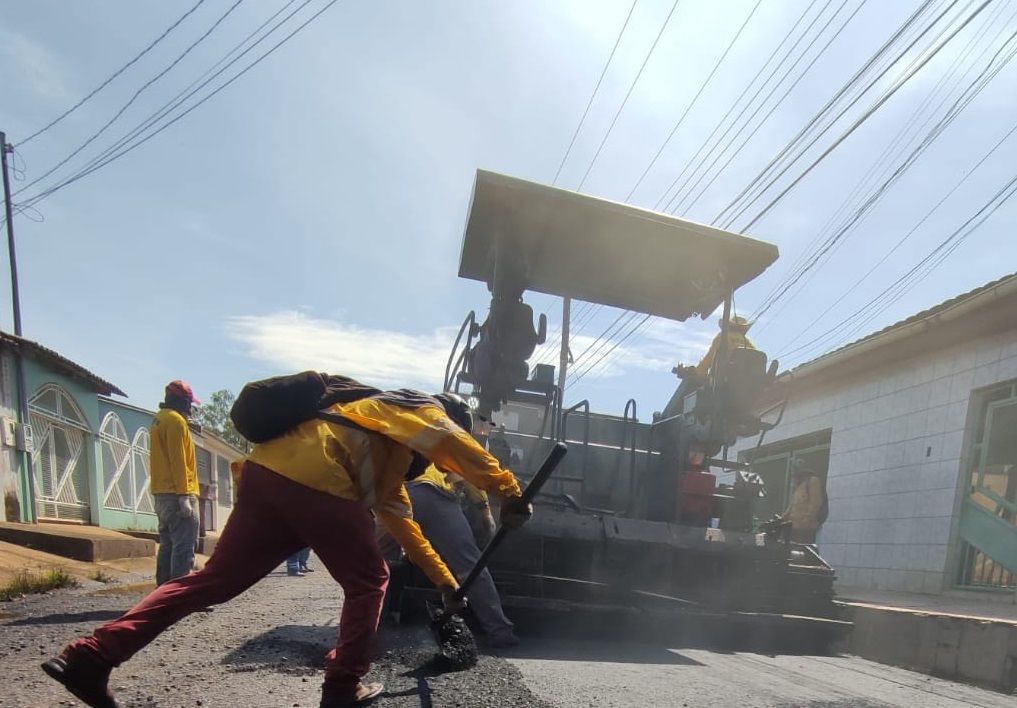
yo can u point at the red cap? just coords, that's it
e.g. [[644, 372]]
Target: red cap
[[183, 390]]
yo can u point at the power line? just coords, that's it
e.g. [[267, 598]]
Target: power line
[[692, 103], [930, 262], [689, 185], [775, 52], [813, 122], [598, 345], [780, 100], [815, 259], [900, 243], [133, 98], [664, 196], [596, 88], [635, 81], [198, 83], [862, 119], [892, 175], [617, 344], [632, 87], [551, 349], [803, 260], [85, 172], [582, 120], [117, 73]]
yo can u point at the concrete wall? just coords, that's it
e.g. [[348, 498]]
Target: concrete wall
[[11, 481], [900, 439], [975, 650]]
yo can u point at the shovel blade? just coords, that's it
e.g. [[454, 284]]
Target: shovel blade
[[457, 647]]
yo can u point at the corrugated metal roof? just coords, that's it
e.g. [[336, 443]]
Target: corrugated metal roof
[[62, 364], [914, 319]]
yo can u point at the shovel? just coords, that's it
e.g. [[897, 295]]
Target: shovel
[[455, 641]]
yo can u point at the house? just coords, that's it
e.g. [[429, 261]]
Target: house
[[87, 452], [914, 429]]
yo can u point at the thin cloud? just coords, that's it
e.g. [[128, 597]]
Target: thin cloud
[[658, 346], [296, 341], [291, 340], [34, 66]]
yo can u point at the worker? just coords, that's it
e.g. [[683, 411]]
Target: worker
[[436, 508], [805, 512], [477, 510], [737, 327], [315, 486], [695, 377], [173, 474]]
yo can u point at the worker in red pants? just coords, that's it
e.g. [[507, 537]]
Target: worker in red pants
[[315, 487]]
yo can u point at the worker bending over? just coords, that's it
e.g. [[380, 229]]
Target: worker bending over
[[316, 486], [436, 508]]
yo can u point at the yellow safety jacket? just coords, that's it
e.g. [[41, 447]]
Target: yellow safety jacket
[[806, 500], [735, 340], [447, 481], [372, 466], [173, 468]]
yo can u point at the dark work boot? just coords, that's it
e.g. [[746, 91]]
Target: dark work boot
[[343, 695], [85, 674]]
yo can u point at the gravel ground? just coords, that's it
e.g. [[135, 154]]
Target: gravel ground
[[265, 648]]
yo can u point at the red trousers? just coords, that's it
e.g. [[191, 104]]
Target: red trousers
[[274, 518]]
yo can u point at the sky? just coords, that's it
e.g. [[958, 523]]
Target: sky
[[311, 213]]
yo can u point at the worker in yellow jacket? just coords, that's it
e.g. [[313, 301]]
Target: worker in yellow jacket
[[737, 328], [173, 481], [695, 377], [806, 502], [316, 486]]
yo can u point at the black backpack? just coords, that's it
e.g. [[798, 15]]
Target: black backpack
[[272, 407]]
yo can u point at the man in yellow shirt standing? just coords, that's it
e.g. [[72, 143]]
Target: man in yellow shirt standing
[[322, 484], [174, 483]]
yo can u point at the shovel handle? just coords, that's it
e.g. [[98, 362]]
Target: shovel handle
[[545, 471]]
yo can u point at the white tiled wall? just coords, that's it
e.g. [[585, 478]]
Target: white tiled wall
[[895, 461]]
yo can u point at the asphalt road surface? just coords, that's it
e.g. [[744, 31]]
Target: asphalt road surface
[[266, 648]]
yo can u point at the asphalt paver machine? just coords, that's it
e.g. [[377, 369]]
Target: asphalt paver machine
[[647, 529]]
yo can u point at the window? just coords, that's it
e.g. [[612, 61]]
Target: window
[[988, 527], [204, 458], [225, 478]]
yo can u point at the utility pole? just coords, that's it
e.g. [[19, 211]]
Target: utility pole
[[23, 421], [563, 359]]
